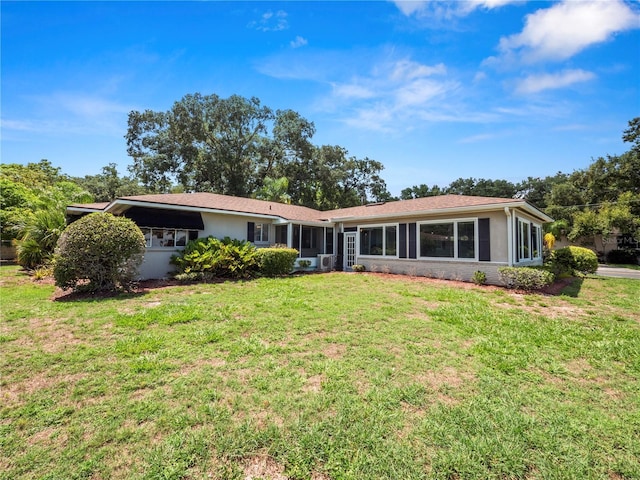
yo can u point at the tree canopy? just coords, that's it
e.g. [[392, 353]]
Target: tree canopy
[[230, 146]]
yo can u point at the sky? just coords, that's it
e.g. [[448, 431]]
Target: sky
[[434, 90]]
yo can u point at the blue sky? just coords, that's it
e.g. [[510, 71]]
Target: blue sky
[[434, 90]]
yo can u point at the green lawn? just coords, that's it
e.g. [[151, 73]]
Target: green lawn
[[332, 376]]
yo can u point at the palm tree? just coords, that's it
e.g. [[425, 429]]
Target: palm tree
[[38, 236]]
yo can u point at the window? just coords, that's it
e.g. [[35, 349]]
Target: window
[[261, 233], [528, 240], [167, 237], [382, 240], [281, 234], [451, 239], [328, 240]]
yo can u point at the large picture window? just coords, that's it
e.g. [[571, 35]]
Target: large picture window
[[379, 240], [450, 239]]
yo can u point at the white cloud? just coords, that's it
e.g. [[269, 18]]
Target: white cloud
[[447, 8], [298, 42], [271, 22], [548, 81], [70, 112], [567, 28]]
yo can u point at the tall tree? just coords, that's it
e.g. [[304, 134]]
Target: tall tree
[[109, 185], [420, 191], [231, 146], [482, 187]]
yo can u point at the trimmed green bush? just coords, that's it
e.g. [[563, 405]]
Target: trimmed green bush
[[479, 278], [226, 258], [574, 259], [358, 268], [622, 257], [99, 252], [275, 262], [525, 278]]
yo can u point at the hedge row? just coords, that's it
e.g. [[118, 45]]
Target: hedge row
[[525, 278]]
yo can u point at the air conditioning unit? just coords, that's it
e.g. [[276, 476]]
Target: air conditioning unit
[[325, 262]]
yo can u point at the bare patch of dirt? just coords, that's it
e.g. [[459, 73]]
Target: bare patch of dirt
[[440, 381], [49, 335], [313, 384], [263, 467]]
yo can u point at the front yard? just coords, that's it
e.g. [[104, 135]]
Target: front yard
[[327, 376]]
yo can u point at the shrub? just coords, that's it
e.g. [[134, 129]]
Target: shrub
[[99, 252], [628, 257], [525, 278], [224, 258], [574, 259], [276, 261], [479, 278], [358, 268]]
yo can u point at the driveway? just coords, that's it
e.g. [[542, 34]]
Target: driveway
[[607, 271]]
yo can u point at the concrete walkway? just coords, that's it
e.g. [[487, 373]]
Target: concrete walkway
[[607, 271]]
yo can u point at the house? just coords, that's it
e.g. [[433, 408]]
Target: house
[[448, 236]]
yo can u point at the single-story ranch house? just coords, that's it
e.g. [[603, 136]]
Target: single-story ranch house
[[448, 236]]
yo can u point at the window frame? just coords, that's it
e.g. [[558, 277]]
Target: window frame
[[456, 240], [259, 230], [384, 227], [524, 240], [189, 235]]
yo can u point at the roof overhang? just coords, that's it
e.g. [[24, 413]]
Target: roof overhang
[[450, 211]]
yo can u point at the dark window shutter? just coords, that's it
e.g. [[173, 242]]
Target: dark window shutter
[[402, 240], [412, 241], [484, 240], [251, 229]]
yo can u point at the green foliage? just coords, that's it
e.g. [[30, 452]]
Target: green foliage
[[479, 278], [30, 254], [226, 258], [622, 257], [573, 259], [26, 189], [99, 252], [108, 185], [39, 235], [358, 268], [237, 146], [275, 262], [525, 278]]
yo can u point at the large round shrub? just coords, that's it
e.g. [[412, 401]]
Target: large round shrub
[[574, 259], [99, 252]]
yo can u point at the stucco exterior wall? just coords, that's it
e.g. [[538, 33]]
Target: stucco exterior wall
[[233, 226], [156, 263], [451, 270]]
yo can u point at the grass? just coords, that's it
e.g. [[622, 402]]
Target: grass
[[333, 376]]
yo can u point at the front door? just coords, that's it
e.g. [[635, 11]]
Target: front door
[[349, 250]]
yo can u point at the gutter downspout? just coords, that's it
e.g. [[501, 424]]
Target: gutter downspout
[[509, 237]]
